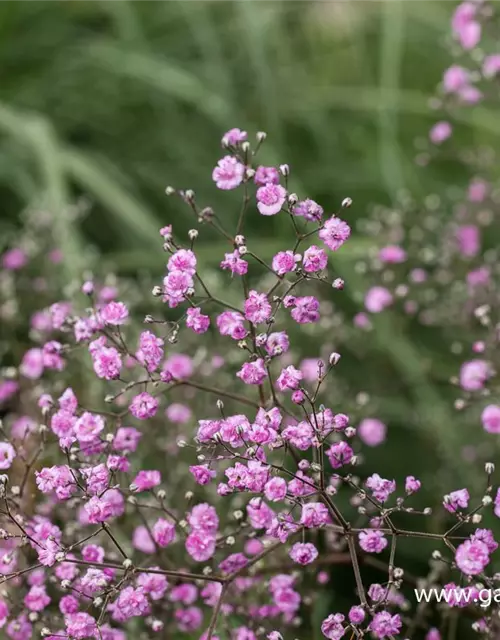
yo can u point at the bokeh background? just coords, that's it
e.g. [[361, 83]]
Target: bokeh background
[[104, 104]]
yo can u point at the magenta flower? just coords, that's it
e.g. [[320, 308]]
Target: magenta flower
[[472, 556], [372, 431], [440, 132], [372, 541], [303, 553], [143, 406], [228, 174], [270, 199], [334, 233], [253, 372]]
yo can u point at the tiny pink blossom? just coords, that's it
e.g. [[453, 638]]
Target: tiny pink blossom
[[114, 313], [303, 553], [266, 175], [229, 173], [270, 199], [440, 132], [334, 233]]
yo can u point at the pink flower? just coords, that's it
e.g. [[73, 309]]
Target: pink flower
[[37, 599], [332, 627], [392, 254], [107, 363], [88, 427], [468, 240], [270, 199], [490, 418], [200, 546], [377, 299], [380, 487], [257, 307], [440, 132], [266, 175], [32, 364], [277, 343], [474, 374], [143, 406], [309, 210], [275, 489], [179, 365], [183, 260], [334, 233], [303, 553], [98, 510], [228, 174], [253, 372], [126, 439], [315, 259], [233, 137], [372, 431], [356, 615], [306, 310], [150, 352], [478, 190], [465, 27], [412, 484], [196, 321], [142, 540], [456, 500], [314, 514], [232, 323], [472, 556], [114, 313], [285, 262], [234, 263], [203, 517], [7, 455], [163, 532], [202, 473], [491, 65], [145, 480], [455, 78], [340, 454], [14, 259], [289, 378], [178, 413], [81, 625], [372, 541], [384, 624]]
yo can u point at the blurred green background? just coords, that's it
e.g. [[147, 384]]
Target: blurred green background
[[117, 99]]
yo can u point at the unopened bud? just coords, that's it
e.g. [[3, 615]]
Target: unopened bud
[[334, 358], [127, 563], [242, 250], [169, 191], [157, 291], [162, 494], [148, 319], [181, 443], [338, 283], [261, 136], [398, 573], [239, 240], [220, 404], [193, 234], [293, 198], [346, 203], [189, 195], [489, 467], [436, 555], [476, 518], [250, 173], [284, 170], [245, 146]]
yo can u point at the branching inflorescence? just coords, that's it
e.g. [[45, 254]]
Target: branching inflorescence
[[99, 537]]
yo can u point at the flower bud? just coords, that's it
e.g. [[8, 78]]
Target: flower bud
[[293, 198], [193, 234], [127, 563], [334, 358], [239, 240], [169, 191], [189, 195], [157, 291], [261, 136], [346, 203], [284, 170], [489, 467], [338, 283]]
